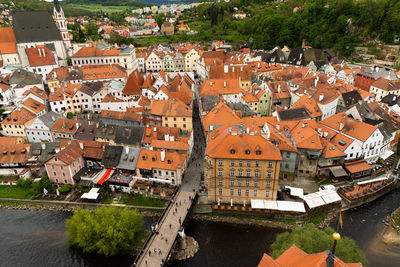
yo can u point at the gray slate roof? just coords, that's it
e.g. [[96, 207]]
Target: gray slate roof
[[351, 98], [111, 157], [50, 118], [35, 26], [21, 78], [208, 102], [129, 158], [293, 114], [129, 135]]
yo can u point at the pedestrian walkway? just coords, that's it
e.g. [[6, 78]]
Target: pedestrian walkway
[[158, 248]]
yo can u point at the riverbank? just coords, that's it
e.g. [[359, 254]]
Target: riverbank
[[320, 220], [391, 234], [65, 206]]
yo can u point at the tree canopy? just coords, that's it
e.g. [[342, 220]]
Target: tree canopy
[[107, 231], [312, 240]]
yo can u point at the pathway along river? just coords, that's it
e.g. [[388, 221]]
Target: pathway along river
[[36, 238]]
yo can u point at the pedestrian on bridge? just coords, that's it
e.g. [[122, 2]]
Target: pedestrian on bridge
[[159, 252], [149, 253], [169, 226], [166, 240], [155, 250]]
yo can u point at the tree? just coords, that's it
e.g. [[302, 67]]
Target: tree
[[159, 19], [107, 231], [312, 240]]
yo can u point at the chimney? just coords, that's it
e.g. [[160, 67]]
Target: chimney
[[210, 83], [154, 129], [278, 127], [224, 84], [171, 138], [162, 152], [126, 150], [166, 137], [321, 97], [40, 52], [279, 88], [233, 69], [341, 125], [43, 145], [226, 68], [57, 150], [44, 54], [248, 130], [81, 145], [77, 125], [258, 65]]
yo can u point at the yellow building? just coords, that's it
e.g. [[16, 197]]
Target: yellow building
[[240, 166], [14, 125], [173, 113], [72, 99]]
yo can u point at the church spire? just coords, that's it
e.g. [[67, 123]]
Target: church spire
[[57, 5]]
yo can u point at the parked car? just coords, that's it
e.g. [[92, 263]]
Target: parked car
[[327, 187]]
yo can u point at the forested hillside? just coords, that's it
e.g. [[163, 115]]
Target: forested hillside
[[338, 24]]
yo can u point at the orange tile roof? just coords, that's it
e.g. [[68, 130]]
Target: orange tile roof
[[57, 95], [249, 98], [357, 129], [283, 141], [310, 104], [4, 87], [69, 153], [341, 141], [91, 149], [151, 159], [34, 105], [5, 140], [219, 115], [14, 153], [95, 52], [170, 145], [306, 137], [148, 81], [222, 142], [170, 108], [129, 115], [357, 166], [386, 85], [134, 84], [295, 257], [100, 72], [40, 56], [65, 125], [159, 132], [19, 116], [110, 98], [215, 87], [36, 91], [7, 41], [330, 150]]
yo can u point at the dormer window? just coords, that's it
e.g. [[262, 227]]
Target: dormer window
[[169, 162], [258, 152], [233, 151], [143, 157], [153, 159], [247, 151]]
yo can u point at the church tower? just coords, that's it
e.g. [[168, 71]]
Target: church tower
[[61, 23]]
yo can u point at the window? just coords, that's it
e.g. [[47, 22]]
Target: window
[[268, 184], [286, 166], [220, 182], [220, 162], [65, 181], [255, 183], [257, 163], [232, 172], [256, 173], [239, 183], [232, 151], [269, 174], [240, 173], [248, 173], [62, 167], [240, 163], [247, 192], [220, 172], [247, 183], [220, 191], [267, 193], [52, 166], [255, 193], [247, 152], [270, 164], [232, 182], [239, 192], [248, 164], [232, 192], [232, 163], [258, 152], [55, 174]]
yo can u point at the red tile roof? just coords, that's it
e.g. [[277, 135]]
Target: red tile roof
[[95, 52], [19, 116], [7, 41], [65, 125], [40, 56], [134, 84]]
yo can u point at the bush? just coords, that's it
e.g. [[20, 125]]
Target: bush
[[64, 188], [24, 183], [70, 115], [107, 231], [312, 240]]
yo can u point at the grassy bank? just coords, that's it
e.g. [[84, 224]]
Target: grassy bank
[[139, 200], [16, 192]]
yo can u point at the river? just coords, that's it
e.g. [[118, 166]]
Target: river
[[37, 238]]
